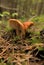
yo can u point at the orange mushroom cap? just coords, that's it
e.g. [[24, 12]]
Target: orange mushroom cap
[[27, 24], [15, 22]]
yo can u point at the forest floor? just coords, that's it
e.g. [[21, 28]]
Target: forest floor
[[16, 51]]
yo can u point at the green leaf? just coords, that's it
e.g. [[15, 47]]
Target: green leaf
[[14, 14], [6, 13], [41, 48], [1, 15]]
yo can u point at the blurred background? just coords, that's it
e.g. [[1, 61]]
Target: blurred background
[[22, 8]]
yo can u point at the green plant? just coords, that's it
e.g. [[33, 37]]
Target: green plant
[[38, 18], [8, 28], [6, 13], [16, 38], [13, 14], [1, 15], [41, 48], [23, 18], [35, 40], [2, 63]]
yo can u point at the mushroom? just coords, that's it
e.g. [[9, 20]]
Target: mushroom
[[20, 27]]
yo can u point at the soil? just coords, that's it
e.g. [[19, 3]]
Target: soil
[[20, 51]]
